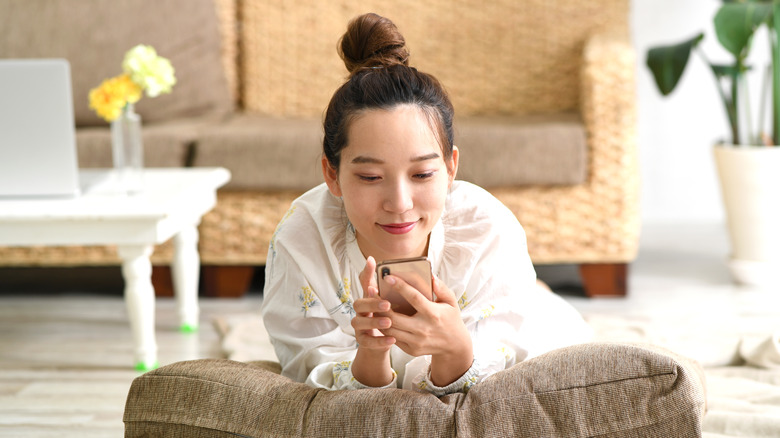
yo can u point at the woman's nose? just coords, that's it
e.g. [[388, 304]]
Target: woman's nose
[[398, 198]]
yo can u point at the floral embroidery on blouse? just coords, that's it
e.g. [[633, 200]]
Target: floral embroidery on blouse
[[487, 312], [463, 301], [472, 380], [345, 297], [307, 299], [341, 367], [484, 314], [509, 355]]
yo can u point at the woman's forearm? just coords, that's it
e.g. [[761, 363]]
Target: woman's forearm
[[372, 368], [449, 367]]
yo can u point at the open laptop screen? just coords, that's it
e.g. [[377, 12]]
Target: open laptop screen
[[37, 134]]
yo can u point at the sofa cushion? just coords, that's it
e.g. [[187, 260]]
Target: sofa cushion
[[585, 390], [167, 144], [264, 153], [524, 150], [94, 37]]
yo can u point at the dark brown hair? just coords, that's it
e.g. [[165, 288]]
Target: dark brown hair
[[375, 54]]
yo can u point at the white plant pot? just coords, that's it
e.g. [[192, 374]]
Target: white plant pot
[[750, 185]]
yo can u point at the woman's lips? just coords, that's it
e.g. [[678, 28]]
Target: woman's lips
[[402, 228]]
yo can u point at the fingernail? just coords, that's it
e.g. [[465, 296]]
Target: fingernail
[[390, 280], [384, 306], [384, 323]]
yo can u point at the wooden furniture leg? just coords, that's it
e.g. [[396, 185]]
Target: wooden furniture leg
[[227, 281], [604, 279]]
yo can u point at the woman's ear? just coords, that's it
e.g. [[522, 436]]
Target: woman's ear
[[331, 177], [452, 166]]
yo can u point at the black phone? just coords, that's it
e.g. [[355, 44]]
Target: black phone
[[415, 271]]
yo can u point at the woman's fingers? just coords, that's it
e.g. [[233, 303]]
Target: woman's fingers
[[375, 342], [367, 276], [408, 292], [436, 328], [365, 323], [367, 306]]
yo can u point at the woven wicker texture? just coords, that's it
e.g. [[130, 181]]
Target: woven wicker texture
[[239, 229], [497, 57], [227, 14], [94, 255], [597, 221]]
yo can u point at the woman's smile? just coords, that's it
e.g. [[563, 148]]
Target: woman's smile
[[398, 228]]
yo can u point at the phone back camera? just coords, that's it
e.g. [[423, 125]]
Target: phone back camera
[[385, 272]]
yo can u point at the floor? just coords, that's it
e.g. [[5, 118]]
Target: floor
[[66, 361]]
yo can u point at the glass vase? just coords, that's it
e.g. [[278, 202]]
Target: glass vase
[[128, 150]]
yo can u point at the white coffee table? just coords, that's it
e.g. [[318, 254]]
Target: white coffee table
[[170, 206]]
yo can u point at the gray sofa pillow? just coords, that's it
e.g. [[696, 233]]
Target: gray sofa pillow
[[605, 390]]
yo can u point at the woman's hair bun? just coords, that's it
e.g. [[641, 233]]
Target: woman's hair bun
[[372, 41]]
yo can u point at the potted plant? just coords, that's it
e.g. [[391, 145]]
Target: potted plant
[[749, 162]]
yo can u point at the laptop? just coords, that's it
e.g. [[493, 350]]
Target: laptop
[[37, 134]]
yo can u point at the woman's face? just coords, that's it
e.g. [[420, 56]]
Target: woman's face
[[393, 180]]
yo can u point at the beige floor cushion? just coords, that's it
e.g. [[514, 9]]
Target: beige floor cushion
[[605, 390]]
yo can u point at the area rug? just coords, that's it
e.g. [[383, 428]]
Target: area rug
[[740, 355]]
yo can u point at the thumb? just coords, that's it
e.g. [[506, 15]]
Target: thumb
[[367, 277]]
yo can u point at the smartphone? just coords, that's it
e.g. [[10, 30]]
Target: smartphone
[[415, 271]]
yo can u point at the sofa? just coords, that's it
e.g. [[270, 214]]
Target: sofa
[[601, 389], [543, 92]]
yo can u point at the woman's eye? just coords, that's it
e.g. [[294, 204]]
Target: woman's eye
[[369, 178], [424, 175]]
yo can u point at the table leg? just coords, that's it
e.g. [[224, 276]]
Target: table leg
[[139, 299], [186, 271]]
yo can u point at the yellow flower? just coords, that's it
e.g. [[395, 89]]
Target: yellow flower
[[112, 95], [143, 70], [152, 73]]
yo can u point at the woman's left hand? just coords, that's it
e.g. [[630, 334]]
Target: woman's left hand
[[436, 329]]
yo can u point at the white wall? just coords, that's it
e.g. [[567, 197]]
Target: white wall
[[676, 133]]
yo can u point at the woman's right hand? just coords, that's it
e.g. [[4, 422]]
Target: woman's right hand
[[369, 319], [371, 366]]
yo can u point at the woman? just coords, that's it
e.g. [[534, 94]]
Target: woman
[[390, 192]]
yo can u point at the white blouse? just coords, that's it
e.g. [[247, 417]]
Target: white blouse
[[478, 249]]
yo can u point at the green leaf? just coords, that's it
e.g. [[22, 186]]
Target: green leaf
[[667, 63], [721, 70], [735, 24]]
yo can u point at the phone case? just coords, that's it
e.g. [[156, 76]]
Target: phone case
[[415, 271]]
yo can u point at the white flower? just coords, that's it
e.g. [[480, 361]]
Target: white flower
[[152, 73]]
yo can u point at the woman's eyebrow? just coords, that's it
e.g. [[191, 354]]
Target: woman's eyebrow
[[431, 156], [362, 159]]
